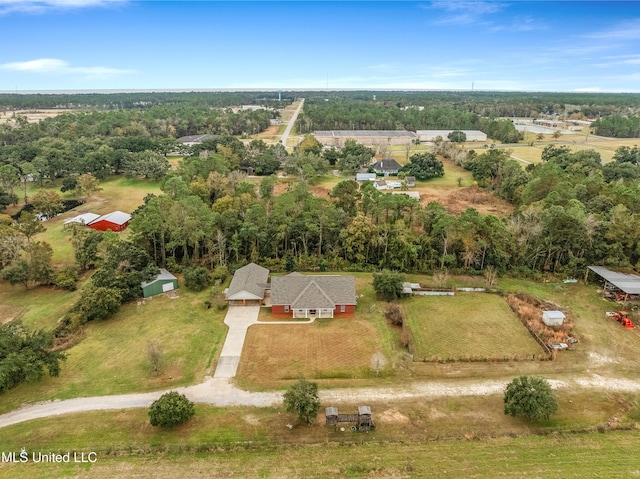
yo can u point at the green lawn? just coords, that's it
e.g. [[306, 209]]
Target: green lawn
[[112, 358], [39, 308], [244, 442], [467, 326]]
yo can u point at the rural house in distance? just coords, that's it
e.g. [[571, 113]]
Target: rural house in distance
[[322, 296], [386, 167]]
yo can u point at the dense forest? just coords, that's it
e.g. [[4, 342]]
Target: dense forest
[[120, 101]]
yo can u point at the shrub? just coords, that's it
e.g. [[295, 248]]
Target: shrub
[[394, 314], [170, 410], [196, 279], [66, 279], [388, 284], [530, 397]]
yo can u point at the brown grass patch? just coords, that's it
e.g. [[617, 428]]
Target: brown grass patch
[[458, 200], [529, 309], [320, 191], [328, 348], [9, 313]]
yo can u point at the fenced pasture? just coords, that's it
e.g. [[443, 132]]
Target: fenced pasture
[[467, 327]]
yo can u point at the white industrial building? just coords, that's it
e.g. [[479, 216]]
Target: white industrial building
[[369, 138]]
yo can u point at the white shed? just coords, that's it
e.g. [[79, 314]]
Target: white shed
[[553, 318]]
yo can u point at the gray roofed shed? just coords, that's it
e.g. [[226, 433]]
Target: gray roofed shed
[[248, 283], [628, 283]]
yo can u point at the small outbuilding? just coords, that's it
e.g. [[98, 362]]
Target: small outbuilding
[[365, 177], [162, 283], [116, 221], [553, 318], [84, 219]]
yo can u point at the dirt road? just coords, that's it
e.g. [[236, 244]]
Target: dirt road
[[220, 392]]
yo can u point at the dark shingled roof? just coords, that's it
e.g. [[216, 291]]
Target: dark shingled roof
[[310, 292], [388, 164], [248, 282]]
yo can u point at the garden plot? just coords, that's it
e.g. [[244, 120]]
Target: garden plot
[[467, 327]]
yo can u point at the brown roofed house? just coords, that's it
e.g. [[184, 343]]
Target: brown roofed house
[[321, 296]]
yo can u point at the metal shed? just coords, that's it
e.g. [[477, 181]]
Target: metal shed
[[162, 283], [553, 318]]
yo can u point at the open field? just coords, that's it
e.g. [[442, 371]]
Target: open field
[[33, 116], [467, 326], [38, 308], [112, 358], [117, 193], [328, 348], [453, 438]]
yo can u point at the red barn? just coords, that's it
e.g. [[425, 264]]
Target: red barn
[[320, 296], [116, 221]]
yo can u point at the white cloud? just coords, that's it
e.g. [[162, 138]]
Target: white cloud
[[43, 6], [463, 12], [627, 30], [520, 24], [56, 66]]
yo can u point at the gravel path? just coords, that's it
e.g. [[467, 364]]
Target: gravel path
[[220, 392]]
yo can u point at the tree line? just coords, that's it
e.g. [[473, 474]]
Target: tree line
[[341, 114], [617, 126]]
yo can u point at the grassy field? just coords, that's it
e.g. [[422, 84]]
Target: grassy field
[[467, 326], [38, 308], [117, 193], [112, 358], [327, 349], [453, 438]]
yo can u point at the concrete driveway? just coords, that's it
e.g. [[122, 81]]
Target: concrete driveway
[[238, 318]]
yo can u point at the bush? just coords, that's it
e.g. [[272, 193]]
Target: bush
[[530, 397], [66, 279], [394, 314], [170, 410], [388, 284], [196, 279]]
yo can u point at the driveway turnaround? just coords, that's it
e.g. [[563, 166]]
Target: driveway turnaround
[[238, 318]]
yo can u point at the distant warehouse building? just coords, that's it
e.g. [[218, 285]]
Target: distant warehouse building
[[431, 135], [369, 138]]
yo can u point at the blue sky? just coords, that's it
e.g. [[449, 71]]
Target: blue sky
[[492, 45]]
